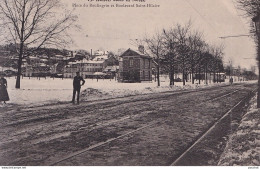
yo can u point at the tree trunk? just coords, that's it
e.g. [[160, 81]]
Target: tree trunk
[[199, 74], [183, 77], [19, 71], [192, 74], [171, 76], [192, 70], [158, 68], [206, 74], [19, 63], [158, 75], [217, 77], [214, 75], [258, 55]]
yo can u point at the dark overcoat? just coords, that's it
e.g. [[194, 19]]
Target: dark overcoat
[[3, 91]]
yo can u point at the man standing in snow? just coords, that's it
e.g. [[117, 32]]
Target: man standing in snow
[[77, 86], [231, 80]]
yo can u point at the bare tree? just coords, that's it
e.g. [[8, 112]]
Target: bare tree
[[228, 70], [155, 46], [196, 45], [251, 7], [35, 23], [202, 58], [205, 62], [182, 36], [217, 52], [179, 46], [170, 57], [252, 10]]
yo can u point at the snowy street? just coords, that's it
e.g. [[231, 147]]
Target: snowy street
[[45, 91], [152, 129], [129, 83]]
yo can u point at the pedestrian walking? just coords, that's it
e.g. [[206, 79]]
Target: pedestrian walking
[[76, 87], [3, 90]]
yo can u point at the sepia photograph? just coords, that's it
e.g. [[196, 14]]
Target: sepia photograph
[[129, 83]]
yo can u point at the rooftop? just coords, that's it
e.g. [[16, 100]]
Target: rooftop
[[131, 52]]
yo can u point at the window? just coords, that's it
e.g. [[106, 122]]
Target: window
[[131, 62]]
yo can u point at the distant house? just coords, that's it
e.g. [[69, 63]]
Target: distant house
[[59, 57], [100, 57], [135, 66], [85, 67], [33, 60], [43, 56], [111, 69], [35, 66], [70, 70], [89, 68], [100, 53]]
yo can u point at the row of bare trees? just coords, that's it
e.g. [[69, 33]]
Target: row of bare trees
[[179, 49]]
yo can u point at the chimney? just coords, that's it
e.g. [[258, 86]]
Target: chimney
[[141, 49]]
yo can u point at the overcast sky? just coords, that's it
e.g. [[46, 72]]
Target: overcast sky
[[113, 28]]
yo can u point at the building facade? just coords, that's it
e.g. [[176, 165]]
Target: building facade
[[86, 68], [135, 66]]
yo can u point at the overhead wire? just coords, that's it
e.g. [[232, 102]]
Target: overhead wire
[[205, 20]]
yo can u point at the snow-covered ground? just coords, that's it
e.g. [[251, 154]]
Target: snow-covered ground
[[243, 148], [43, 91]]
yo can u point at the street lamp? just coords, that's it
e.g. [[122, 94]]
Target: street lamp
[[256, 20]]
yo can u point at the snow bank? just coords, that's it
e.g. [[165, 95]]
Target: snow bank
[[128, 90], [243, 147]]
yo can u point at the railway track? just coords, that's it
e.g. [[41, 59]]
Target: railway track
[[106, 106], [169, 93], [175, 162], [100, 144], [77, 153], [109, 104]]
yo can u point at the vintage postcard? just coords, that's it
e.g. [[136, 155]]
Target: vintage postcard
[[129, 83]]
